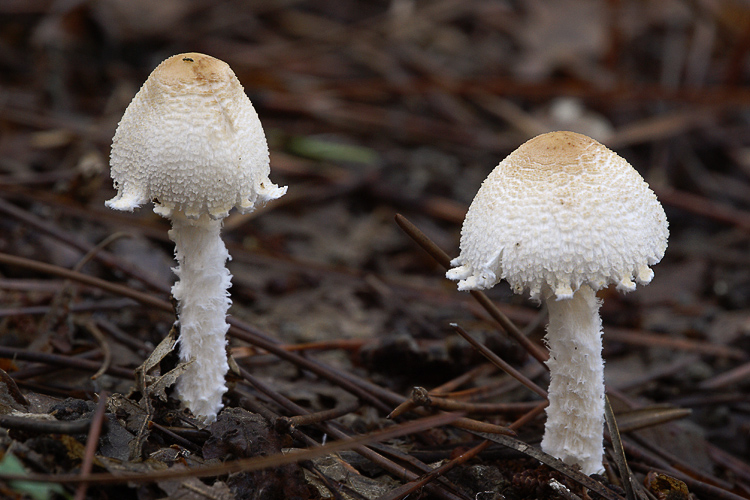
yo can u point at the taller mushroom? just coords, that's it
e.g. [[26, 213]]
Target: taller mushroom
[[562, 217], [191, 142]]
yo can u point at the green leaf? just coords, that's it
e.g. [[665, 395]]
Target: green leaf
[[10, 464], [321, 149]]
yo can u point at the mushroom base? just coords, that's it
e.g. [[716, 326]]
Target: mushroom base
[[575, 415], [203, 302]]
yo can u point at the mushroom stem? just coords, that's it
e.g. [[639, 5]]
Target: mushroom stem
[[575, 415], [203, 301]]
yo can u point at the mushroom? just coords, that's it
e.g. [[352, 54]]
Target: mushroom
[[191, 142], [562, 217]]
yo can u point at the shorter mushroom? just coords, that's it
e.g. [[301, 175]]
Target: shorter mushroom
[[562, 217], [191, 142]]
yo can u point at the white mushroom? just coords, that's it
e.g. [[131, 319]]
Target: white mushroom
[[562, 217], [191, 142]]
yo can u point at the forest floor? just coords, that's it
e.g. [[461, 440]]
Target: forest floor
[[371, 109]]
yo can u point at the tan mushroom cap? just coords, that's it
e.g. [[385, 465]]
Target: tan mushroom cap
[[561, 211], [191, 141]]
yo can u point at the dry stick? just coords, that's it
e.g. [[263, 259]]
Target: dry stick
[[401, 472], [92, 443], [252, 403], [553, 462], [735, 375], [407, 405], [462, 379], [499, 362], [191, 433], [244, 465], [695, 480], [650, 417], [83, 306], [104, 257], [622, 465], [58, 390], [730, 462], [366, 452], [60, 303], [243, 352], [666, 459], [469, 424], [99, 248], [62, 272], [32, 284], [504, 85], [652, 339], [714, 399], [443, 259], [361, 388], [45, 369], [529, 416], [43, 426], [11, 390], [407, 489], [142, 297], [320, 416], [665, 370], [500, 386], [236, 326], [365, 390], [394, 304], [370, 454], [421, 397], [656, 456], [185, 443], [456, 398], [334, 488], [491, 389], [275, 396], [700, 205], [103, 345], [369, 116], [328, 345], [153, 229], [123, 338], [64, 361]]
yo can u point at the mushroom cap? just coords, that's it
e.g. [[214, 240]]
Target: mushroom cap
[[191, 140], [561, 211]]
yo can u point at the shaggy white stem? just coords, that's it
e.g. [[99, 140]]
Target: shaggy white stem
[[575, 415], [203, 301]]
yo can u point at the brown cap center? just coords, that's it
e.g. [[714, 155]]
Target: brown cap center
[[191, 67], [560, 148]]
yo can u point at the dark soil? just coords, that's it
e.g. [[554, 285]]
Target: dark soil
[[370, 109]]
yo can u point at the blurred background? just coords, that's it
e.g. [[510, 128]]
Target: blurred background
[[373, 108]]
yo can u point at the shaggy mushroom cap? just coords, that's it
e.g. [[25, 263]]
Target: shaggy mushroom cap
[[191, 141], [561, 211]]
